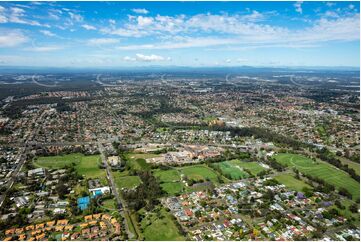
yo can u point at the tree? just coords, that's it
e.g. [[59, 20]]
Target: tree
[[62, 190], [353, 208]]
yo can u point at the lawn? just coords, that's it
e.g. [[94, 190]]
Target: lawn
[[141, 155], [57, 162], [171, 175], [323, 170], [291, 182], [109, 203], [231, 171], [127, 182], [172, 188], [137, 160], [87, 166], [199, 173], [253, 167], [160, 227]]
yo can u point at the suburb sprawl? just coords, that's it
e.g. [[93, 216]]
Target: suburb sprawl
[[251, 154]]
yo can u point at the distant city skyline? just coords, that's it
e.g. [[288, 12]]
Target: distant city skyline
[[194, 34]]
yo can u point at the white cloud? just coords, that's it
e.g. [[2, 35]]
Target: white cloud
[[140, 10], [88, 27], [330, 4], [351, 6], [47, 33], [76, 17], [43, 48], [298, 6], [144, 21], [102, 41], [331, 14], [150, 58], [11, 38], [17, 15], [180, 43], [3, 19], [232, 30], [127, 58]]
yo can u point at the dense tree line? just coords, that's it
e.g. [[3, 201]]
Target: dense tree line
[[146, 194], [275, 165]]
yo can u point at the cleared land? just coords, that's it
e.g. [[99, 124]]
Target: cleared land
[[231, 171], [291, 182], [253, 167], [123, 181], [320, 169], [160, 227]]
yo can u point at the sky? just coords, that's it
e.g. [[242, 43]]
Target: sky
[[195, 34]]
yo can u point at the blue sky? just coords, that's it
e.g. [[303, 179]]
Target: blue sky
[[121, 34]]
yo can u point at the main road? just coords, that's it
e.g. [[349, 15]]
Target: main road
[[121, 204]]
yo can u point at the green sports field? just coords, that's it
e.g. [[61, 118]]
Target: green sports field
[[323, 170], [171, 179], [199, 173], [171, 175], [172, 188], [57, 162], [137, 160], [87, 166], [124, 181], [253, 167], [291, 182], [231, 170]]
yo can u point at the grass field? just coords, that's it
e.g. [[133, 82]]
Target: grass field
[[253, 167], [291, 182], [167, 175], [109, 203], [137, 160], [199, 173], [124, 181], [160, 227], [172, 188], [171, 179], [231, 171], [58, 162], [141, 155], [87, 166], [321, 169]]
